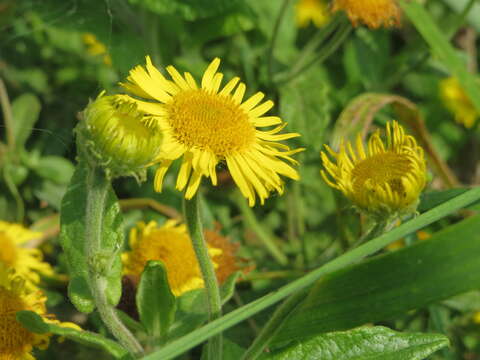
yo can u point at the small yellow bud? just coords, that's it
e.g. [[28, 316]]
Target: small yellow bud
[[119, 137]]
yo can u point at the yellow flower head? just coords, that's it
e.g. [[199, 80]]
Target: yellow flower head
[[315, 11], [119, 137], [171, 244], [208, 125], [16, 342], [382, 180], [27, 262], [373, 13], [458, 102], [96, 48]]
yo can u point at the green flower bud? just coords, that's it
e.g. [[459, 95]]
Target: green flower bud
[[119, 137]]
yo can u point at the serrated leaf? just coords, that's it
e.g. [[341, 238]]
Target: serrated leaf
[[72, 238], [35, 323], [25, 111], [364, 343], [389, 285], [155, 301]]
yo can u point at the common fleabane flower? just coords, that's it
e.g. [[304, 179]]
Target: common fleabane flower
[[119, 137], [315, 11], [208, 125], [457, 101], [383, 180], [171, 244], [16, 342], [27, 262], [373, 13]]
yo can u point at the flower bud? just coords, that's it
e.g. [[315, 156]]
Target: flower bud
[[119, 137]]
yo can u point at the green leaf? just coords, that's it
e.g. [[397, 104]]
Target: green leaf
[[231, 351], [155, 302], [430, 199], [192, 310], [32, 322], [389, 285], [72, 238], [35, 323], [25, 111], [305, 106], [442, 48], [364, 343], [228, 287], [55, 168]]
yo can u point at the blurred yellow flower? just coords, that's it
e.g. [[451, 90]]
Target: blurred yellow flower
[[476, 317], [27, 262], [457, 101], [16, 342], [208, 125], [171, 244], [315, 11], [385, 180], [96, 48], [373, 13], [118, 136]]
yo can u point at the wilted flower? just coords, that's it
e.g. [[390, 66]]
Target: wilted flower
[[208, 125], [373, 13], [383, 180]]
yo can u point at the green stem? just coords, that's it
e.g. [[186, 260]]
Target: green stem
[[312, 45], [266, 238], [196, 337], [98, 185], [340, 36], [276, 29], [273, 325], [192, 218]]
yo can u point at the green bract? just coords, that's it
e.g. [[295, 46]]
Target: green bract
[[118, 137]]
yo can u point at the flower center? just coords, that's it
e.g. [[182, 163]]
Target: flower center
[[210, 122], [8, 254], [13, 336], [381, 169]]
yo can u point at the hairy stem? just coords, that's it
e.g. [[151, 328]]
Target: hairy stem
[[98, 186], [192, 217]]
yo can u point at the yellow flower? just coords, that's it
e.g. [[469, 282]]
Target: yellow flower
[[476, 317], [27, 262], [384, 180], [315, 11], [458, 102], [373, 13], [171, 244], [96, 48], [16, 342], [118, 136], [208, 125]]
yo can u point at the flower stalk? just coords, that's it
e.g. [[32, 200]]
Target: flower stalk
[[97, 185], [194, 223]]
